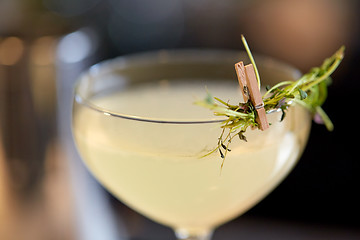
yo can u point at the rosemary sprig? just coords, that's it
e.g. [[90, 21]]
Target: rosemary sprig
[[310, 91]]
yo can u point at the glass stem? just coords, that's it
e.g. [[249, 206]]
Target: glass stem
[[184, 234]]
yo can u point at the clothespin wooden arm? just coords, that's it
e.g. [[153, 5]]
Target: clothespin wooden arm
[[250, 90], [240, 72]]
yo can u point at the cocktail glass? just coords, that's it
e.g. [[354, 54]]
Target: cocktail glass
[[139, 133]]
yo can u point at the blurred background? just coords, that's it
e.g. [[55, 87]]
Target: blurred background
[[45, 191]]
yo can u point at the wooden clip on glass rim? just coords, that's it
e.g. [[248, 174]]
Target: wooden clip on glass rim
[[250, 91]]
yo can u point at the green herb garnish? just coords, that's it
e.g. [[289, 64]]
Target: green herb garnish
[[310, 91]]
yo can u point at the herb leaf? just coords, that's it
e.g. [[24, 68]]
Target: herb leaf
[[302, 93]]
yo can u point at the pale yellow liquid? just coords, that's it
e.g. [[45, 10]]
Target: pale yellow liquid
[[158, 169]]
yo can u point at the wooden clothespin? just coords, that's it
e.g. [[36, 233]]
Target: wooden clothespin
[[250, 90]]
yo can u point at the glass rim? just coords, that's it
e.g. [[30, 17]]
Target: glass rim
[[163, 56]]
